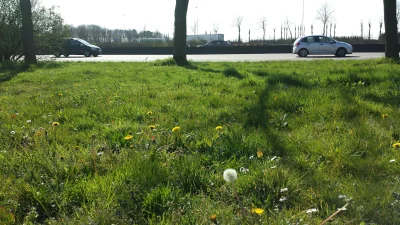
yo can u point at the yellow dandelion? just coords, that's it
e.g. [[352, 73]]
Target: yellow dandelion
[[176, 129], [213, 217], [258, 211], [396, 145], [59, 94], [260, 154], [218, 128], [152, 127], [385, 116], [149, 113], [55, 124], [128, 137]]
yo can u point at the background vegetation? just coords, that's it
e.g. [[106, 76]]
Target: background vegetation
[[92, 143]]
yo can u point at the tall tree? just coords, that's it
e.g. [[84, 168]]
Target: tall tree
[[391, 47], [27, 32], [238, 23], [325, 15], [263, 26], [179, 53]]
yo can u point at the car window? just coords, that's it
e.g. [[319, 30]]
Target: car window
[[323, 39], [310, 39], [304, 40]]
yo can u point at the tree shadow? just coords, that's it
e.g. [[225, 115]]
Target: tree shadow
[[10, 69]]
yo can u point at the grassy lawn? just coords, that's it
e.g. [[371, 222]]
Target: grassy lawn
[[147, 143]]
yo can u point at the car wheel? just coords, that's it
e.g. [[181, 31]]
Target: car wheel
[[303, 52], [87, 54], [57, 55], [95, 55], [341, 52], [66, 55]]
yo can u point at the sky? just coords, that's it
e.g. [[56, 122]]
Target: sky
[[159, 15]]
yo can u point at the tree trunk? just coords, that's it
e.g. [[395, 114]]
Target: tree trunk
[[180, 32], [391, 46], [27, 32]]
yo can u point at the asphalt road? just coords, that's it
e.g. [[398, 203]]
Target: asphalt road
[[215, 58]]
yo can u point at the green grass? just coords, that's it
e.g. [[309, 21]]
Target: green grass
[[318, 124]]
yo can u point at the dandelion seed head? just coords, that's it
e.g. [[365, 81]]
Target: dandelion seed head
[[282, 199], [29, 121], [284, 190], [392, 161], [313, 210], [230, 175], [12, 132]]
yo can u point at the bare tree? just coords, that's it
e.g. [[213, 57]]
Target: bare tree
[[215, 28], [194, 27], [380, 28], [325, 14], [334, 30], [274, 33], [249, 35], [288, 23], [312, 29], [263, 26], [330, 29], [391, 47], [369, 30], [237, 22], [27, 32], [362, 29], [398, 12], [179, 52]]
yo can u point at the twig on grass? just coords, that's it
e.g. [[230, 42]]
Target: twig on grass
[[338, 211]]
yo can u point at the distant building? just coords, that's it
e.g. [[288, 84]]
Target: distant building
[[205, 37]]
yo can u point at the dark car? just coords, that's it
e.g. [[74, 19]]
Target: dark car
[[216, 44], [76, 46]]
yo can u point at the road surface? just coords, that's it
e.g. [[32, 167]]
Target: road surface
[[215, 57]]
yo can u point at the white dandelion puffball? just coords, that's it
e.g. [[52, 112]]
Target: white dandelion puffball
[[230, 175]]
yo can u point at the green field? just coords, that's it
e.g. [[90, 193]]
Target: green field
[[147, 143]]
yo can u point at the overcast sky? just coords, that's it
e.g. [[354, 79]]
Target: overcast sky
[[159, 15]]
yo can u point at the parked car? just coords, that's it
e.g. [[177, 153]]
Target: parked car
[[320, 45], [76, 46], [216, 44]]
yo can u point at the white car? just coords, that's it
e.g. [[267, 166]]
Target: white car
[[320, 45]]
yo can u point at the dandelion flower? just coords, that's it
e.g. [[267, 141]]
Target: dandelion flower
[[175, 129], [218, 128], [392, 161], [396, 145], [257, 211], [12, 132], [149, 113], [152, 127], [128, 137], [213, 217], [230, 175], [385, 116], [55, 124], [29, 121], [259, 154]]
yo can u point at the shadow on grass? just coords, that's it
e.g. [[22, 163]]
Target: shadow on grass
[[10, 69], [274, 79]]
